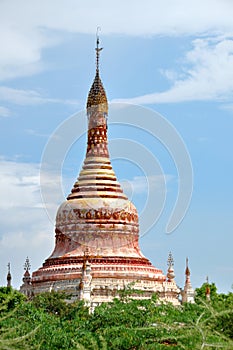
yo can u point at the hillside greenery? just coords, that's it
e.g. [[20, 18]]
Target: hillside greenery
[[48, 322]]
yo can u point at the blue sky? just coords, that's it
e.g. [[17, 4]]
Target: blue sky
[[172, 58]]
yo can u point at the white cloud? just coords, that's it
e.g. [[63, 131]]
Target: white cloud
[[20, 186], [27, 27], [25, 227], [21, 97], [203, 139], [4, 112], [228, 107], [29, 97], [207, 74], [14, 179], [35, 133], [141, 184]]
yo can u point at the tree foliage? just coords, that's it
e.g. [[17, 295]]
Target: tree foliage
[[48, 322], [200, 293], [10, 298]]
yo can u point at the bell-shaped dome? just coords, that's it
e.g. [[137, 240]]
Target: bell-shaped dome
[[106, 227]]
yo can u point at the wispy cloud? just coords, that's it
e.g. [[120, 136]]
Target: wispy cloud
[[20, 185], [206, 74], [227, 107], [29, 97], [27, 28], [202, 139], [14, 178], [35, 133], [141, 184], [4, 112], [24, 221]]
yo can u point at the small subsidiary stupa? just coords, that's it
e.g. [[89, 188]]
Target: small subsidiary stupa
[[188, 293], [97, 251]]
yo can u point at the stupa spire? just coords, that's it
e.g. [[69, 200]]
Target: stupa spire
[[27, 265], [26, 287], [170, 271], [98, 49], [187, 271], [207, 292], [97, 179], [9, 275], [97, 99], [188, 292]]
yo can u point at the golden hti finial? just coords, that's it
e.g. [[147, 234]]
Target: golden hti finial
[[98, 49]]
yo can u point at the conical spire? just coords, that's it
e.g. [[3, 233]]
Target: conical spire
[[9, 275], [207, 292], [188, 292], [97, 99], [187, 271], [97, 178]]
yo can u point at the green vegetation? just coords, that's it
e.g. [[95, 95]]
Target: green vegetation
[[48, 323]]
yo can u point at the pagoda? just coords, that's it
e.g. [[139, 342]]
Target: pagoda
[[188, 293], [97, 250]]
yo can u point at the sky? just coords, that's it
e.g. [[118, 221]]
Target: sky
[[167, 67]]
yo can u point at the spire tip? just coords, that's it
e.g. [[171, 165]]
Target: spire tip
[[98, 49]]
